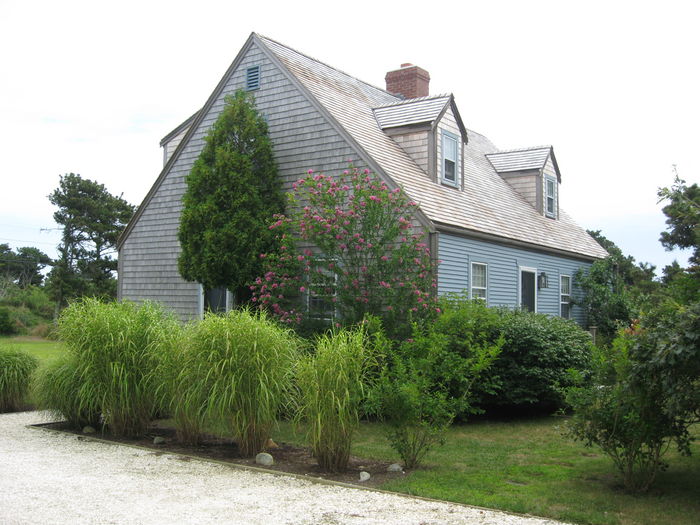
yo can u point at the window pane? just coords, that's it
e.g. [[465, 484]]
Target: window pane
[[479, 275], [450, 170], [479, 293], [565, 285], [565, 310]]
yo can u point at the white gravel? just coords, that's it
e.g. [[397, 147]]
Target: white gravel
[[48, 477]]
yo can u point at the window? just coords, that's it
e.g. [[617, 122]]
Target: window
[[322, 291], [550, 197], [565, 296], [479, 286], [450, 158], [252, 78]]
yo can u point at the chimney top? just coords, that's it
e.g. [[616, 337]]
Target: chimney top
[[409, 81]]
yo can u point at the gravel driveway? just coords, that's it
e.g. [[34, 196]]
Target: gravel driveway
[[53, 478]]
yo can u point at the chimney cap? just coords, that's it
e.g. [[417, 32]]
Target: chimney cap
[[406, 64]]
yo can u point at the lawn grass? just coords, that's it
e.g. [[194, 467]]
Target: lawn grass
[[529, 467], [42, 349]]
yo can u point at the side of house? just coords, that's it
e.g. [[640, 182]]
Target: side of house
[[493, 216]]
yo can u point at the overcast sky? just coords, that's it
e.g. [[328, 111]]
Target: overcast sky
[[92, 87]]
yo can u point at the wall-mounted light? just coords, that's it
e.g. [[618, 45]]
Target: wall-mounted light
[[542, 281]]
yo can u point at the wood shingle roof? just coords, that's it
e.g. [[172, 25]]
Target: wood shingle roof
[[488, 206]]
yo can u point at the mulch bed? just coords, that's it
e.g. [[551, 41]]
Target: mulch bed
[[287, 457]]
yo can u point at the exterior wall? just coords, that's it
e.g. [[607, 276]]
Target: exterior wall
[[457, 253], [416, 145], [302, 140], [449, 123], [171, 146], [525, 185]]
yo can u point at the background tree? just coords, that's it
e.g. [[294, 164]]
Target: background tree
[[683, 223], [23, 266], [232, 193], [92, 219], [683, 217]]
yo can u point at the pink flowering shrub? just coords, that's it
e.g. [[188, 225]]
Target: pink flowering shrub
[[361, 255]]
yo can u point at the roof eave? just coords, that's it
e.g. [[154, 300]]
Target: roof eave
[[467, 232]]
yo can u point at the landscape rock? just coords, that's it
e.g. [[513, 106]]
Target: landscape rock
[[394, 467], [158, 440], [364, 476], [264, 459], [89, 430]]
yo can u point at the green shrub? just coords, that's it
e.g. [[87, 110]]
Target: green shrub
[[16, 368], [456, 350], [533, 366], [6, 324], [117, 349], [56, 388], [236, 370], [418, 414], [332, 387], [645, 394]]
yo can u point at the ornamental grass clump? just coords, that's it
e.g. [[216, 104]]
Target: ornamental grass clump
[[238, 372], [117, 349], [332, 386], [16, 368], [56, 388]]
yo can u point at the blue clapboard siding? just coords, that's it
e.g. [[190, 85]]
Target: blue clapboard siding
[[457, 253]]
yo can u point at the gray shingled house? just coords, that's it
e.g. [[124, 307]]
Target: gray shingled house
[[494, 216]]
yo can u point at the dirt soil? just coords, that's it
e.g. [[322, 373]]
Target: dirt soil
[[287, 457]]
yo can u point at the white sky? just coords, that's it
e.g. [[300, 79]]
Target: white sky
[[91, 88]]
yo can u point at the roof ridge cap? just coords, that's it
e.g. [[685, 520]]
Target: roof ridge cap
[[518, 150], [263, 37], [413, 100]]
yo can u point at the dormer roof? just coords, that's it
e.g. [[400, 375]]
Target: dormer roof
[[413, 111], [525, 159]]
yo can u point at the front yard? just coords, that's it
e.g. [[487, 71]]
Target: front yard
[[523, 466]]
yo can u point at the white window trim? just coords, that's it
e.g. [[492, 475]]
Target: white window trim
[[334, 315], [200, 301], [527, 269], [444, 134], [471, 281], [561, 295]]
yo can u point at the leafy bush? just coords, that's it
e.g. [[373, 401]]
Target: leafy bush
[[364, 255], [418, 415], [117, 349], [56, 388], [237, 370], [533, 366], [6, 324], [16, 368], [332, 386], [645, 394]]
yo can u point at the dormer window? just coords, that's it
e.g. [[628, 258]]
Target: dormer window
[[551, 197], [450, 158]]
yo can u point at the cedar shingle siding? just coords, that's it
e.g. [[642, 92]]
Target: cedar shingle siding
[[319, 118]]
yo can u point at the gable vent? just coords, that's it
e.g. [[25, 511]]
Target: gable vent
[[252, 79]]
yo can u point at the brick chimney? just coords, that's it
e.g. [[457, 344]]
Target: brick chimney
[[410, 81]]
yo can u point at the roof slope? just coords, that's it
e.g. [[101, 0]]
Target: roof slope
[[488, 205], [519, 159]]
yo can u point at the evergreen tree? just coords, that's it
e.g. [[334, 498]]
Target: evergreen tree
[[232, 193], [92, 219]]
